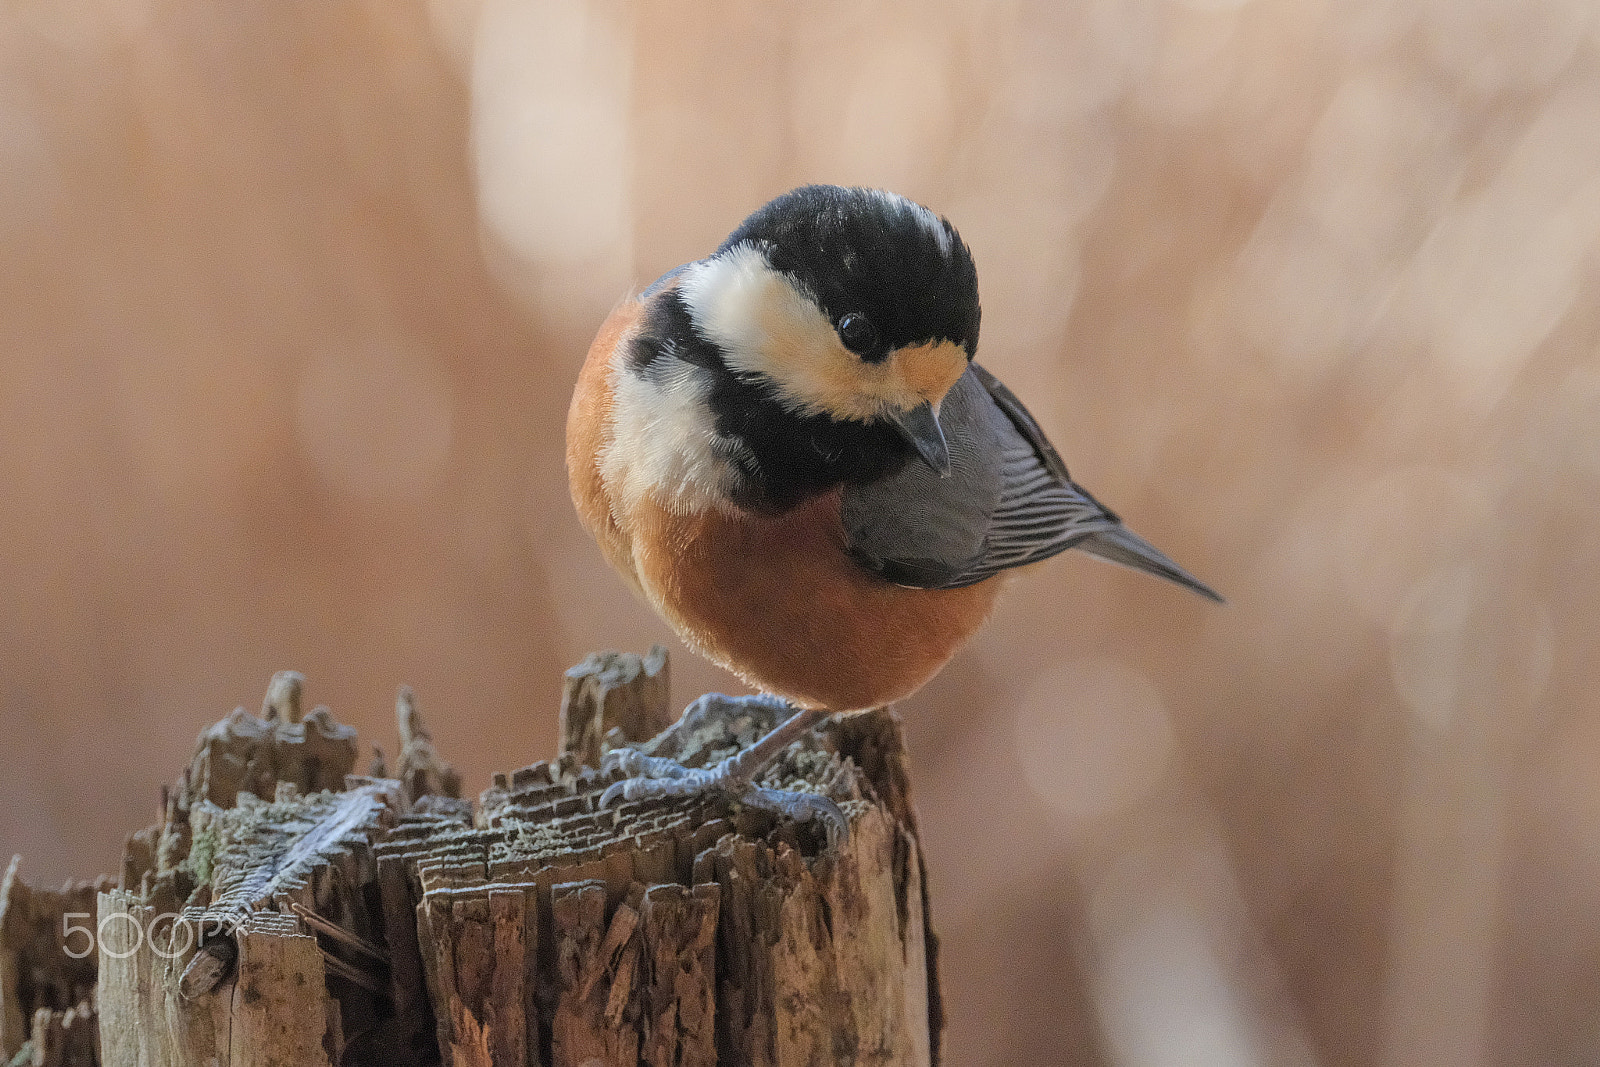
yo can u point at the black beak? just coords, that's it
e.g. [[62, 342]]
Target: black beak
[[920, 426]]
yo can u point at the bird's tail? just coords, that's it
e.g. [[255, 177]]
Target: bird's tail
[[1120, 545]]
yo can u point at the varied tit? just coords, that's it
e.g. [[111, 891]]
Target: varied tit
[[787, 450]]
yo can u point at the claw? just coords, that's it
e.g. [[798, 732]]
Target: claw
[[801, 807], [613, 792]]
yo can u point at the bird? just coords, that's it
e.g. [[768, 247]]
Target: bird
[[787, 450]]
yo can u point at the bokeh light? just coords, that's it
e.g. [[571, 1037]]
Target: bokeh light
[[1091, 738]]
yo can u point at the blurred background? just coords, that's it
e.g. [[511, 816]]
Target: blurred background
[[293, 294]]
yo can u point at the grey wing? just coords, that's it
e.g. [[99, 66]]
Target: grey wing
[[1009, 502], [919, 529]]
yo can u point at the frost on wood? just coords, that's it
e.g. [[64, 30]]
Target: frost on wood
[[287, 918]]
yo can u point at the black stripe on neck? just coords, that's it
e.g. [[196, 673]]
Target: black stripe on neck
[[783, 458]]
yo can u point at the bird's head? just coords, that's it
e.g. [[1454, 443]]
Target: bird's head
[[855, 304]]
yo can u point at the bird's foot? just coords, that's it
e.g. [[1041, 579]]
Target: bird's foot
[[649, 777]]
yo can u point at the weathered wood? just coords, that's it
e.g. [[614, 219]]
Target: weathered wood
[[47, 970], [703, 933], [595, 965], [64, 1038], [414, 1037], [251, 929], [281, 1015], [259, 856], [505, 1007], [383, 921], [244, 753], [274, 1012], [680, 926], [282, 700], [422, 771], [612, 698], [144, 1020]]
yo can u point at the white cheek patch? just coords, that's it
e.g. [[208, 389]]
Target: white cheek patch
[[751, 311], [664, 441], [766, 326]]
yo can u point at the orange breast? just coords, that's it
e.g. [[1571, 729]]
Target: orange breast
[[780, 603], [588, 433]]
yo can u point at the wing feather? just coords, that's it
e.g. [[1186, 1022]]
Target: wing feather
[[1009, 503]]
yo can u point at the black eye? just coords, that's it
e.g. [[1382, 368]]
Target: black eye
[[858, 333]]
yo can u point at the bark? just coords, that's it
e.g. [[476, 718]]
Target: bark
[[274, 916]]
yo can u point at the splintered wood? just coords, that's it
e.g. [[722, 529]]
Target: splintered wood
[[613, 697], [47, 972], [275, 916]]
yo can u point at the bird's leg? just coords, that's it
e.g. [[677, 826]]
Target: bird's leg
[[652, 776]]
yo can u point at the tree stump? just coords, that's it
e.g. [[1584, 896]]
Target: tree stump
[[286, 911]]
